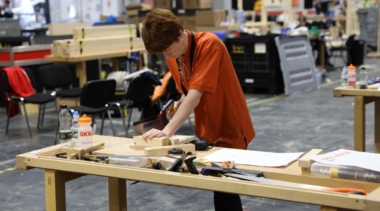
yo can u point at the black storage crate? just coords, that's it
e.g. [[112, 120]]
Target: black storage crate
[[254, 53], [264, 83], [257, 64]]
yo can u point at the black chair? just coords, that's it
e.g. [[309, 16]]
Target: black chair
[[95, 99], [38, 98], [341, 49], [58, 76], [349, 45], [138, 96]]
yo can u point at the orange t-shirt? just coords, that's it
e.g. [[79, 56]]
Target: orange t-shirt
[[222, 113]]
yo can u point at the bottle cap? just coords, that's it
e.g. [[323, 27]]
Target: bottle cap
[[85, 119], [63, 106], [344, 67], [351, 67], [76, 114]]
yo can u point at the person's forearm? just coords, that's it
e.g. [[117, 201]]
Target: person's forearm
[[187, 106]]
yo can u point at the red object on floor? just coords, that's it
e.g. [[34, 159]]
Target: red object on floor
[[20, 84]]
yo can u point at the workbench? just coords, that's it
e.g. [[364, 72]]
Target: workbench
[[361, 98], [80, 62], [58, 171]]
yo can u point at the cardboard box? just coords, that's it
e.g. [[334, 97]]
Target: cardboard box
[[164, 4], [167, 4], [210, 17], [197, 4], [187, 18], [133, 20]]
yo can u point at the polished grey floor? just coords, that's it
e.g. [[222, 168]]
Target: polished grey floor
[[283, 124]]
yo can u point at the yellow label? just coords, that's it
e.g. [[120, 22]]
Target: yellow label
[[334, 172], [238, 49]]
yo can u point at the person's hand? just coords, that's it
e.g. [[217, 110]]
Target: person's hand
[[153, 133], [170, 114]]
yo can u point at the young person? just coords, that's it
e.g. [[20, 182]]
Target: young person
[[202, 69]]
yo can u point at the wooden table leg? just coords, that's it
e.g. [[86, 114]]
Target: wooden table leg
[[359, 124], [377, 126], [117, 191], [55, 192], [115, 64], [321, 54], [81, 73]]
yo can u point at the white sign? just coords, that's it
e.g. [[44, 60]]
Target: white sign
[[260, 48], [249, 80], [344, 157]]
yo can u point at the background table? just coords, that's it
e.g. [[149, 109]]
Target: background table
[[361, 98]]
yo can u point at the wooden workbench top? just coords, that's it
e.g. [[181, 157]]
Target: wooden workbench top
[[292, 173], [349, 91]]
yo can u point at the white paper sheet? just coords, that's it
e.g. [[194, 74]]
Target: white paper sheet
[[343, 157], [254, 158]]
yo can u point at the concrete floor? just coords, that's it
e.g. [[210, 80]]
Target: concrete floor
[[283, 124]]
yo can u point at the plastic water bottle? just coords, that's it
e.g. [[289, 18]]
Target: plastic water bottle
[[344, 77], [84, 132], [64, 124], [351, 75], [363, 78], [74, 129]]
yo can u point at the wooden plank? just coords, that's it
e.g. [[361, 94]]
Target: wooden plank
[[77, 153], [76, 48], [359, 124], [164, 150], [93, 57], [65, 28], [55, 190], [377, 126], [181, 139], [305, 161], [83, 33], [372, 200], [117, 191], [139, 141]]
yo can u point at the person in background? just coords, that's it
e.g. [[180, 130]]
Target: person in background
[[7, 11], [303, 22], [203, 72], [322, 6], [315, 43]]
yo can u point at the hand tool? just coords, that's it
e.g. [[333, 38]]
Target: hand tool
[[157, 165], [176, 166], [216, 169], [176, 151], [190, 165], [295, 185], [200, 145], [157, 122]]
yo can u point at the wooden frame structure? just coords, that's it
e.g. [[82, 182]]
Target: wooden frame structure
[[361, 98], [377, 54], [58, 171]]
